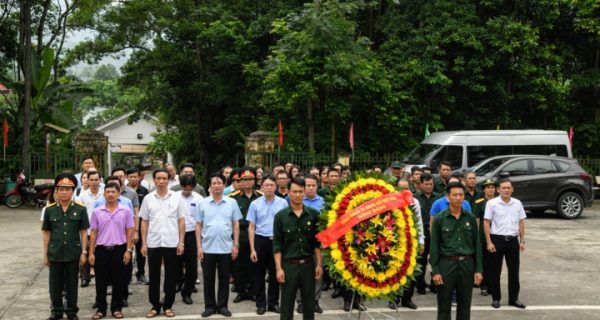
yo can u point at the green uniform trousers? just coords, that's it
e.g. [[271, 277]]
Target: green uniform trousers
[[300, 276], [64, 272], [457, 275], [244, 268]]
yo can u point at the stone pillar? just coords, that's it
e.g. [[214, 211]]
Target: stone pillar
[[260, 146]]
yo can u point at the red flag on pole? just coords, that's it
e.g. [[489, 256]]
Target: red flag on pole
[[571, 134], [351, 136], [280, 133], [5, 129]]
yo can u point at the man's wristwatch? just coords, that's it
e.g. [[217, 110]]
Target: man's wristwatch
[[130, 250], [84, 252], [236, 245]]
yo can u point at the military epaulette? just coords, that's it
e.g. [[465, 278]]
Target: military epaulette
[[258, 192], [51, 204], [78, 202], [478, 201], [234, 193]]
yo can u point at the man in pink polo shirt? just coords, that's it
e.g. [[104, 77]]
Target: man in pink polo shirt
[[111, 247]]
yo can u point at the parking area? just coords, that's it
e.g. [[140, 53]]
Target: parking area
[[559, 277]]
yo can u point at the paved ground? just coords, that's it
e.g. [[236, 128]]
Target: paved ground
[[559, 277]]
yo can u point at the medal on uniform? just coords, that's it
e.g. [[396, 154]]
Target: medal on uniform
[[308, 223], [467, 224]]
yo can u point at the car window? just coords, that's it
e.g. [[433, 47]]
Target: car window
[[543, 167], [563, 165], [452, 154], [516, 168], [479, 153]]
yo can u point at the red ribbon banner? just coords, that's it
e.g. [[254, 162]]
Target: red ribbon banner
[[363, 212]]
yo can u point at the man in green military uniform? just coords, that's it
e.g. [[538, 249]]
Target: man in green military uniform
[[472, 192], [243, 268], [297, 253], [64, 235], [455, 255], [489, 193], [445, 172], [426, 198]]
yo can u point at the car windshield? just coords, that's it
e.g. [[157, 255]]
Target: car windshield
[[487, 166], [421, 153]]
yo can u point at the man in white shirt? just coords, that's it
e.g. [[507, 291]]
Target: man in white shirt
[[188, 260], [504, 225], [88, 197], [163, 231]]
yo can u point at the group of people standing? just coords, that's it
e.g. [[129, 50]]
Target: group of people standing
[[254, 225]]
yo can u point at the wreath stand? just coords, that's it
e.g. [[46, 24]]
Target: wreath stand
[[367, 312]]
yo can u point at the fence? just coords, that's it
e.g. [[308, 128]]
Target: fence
[[306, 159], [57, 162]]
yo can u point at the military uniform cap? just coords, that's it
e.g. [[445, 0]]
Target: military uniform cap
[[65, 180], [247, 174], [488, 182], [396, 164]]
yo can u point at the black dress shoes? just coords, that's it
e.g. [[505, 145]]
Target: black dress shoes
[[318, 307], [238, 298], [261, 310], [517, 304], [274, 308], [225, 312], [208, 313], [299, 308], [142, 280], [337, 292], [55, 317], [409, 304], [347, 306], [187, 299], [496, 304], [73, 317], [194, 289], [85, 283]]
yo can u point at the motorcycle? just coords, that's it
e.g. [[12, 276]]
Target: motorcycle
[[24, 192]]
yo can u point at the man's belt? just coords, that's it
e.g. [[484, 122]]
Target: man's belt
[[264, 237], [505, 238], [300, 261], [457, 258], [111, 248]]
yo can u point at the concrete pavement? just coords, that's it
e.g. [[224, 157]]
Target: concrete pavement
[[559, 277]]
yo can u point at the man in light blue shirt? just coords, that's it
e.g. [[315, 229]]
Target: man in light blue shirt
[[311, 198], [260, 234], [217, 220]]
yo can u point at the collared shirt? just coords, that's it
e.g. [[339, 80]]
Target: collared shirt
[[131, 195], [262, 214], [217, 224], [454, 237], [244, 202], [316, 203], [418, 220], [504, 216], [294, 236], [426, 204], [122, 200], [141, 192], [477, 194], [443, 203], [193, 203], [89, 200], [111, 227], [163, 214]]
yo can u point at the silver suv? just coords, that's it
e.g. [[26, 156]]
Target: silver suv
[[542, 182]]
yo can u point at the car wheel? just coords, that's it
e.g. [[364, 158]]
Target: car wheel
[[569, 205]]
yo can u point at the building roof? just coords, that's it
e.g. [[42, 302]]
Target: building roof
[[116, 122]]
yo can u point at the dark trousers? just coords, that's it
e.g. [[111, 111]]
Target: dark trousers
[[84, 269], [140, 260], [210, 264], [110, 268], [61, 272], [266, 262], [487, 266], [422, 259], [156, 256], [188, 261], [244, 268], [298, 276], [459, 276], [510, 250]]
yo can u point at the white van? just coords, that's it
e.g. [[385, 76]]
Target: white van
[[463, 149]]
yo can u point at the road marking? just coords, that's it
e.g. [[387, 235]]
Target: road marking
[[245, 315]]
